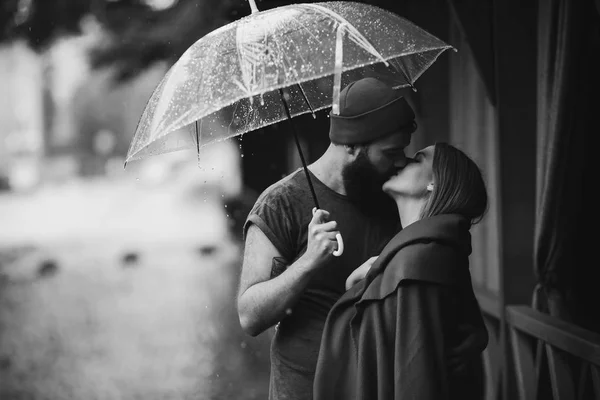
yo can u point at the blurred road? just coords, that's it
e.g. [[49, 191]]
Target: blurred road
[[118, 290]]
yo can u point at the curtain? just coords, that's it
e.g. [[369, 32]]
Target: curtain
[[567, 93], [473, 130], [474, 20]]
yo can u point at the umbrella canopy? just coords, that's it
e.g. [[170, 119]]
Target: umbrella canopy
[[231, 81]]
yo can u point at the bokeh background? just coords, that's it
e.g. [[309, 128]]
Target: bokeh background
[[115, 283]]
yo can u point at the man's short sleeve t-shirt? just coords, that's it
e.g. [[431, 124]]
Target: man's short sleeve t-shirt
[[283, 212]]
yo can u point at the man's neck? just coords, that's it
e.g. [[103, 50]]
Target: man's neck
[[328, 169]]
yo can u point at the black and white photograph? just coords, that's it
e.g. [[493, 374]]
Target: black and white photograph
[[299, 200]]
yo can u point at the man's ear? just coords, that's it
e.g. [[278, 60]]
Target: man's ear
[[350, 149], [353, 151]]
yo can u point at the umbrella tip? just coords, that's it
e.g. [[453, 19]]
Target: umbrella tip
[[253, 7]]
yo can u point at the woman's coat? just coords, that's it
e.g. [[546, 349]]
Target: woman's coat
[[412, 329]]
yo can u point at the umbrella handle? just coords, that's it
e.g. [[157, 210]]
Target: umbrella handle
[[338, 237], [340, 249]]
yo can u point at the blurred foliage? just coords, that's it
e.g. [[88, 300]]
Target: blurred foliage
[[144, 36], [140, 33], [41, 21]]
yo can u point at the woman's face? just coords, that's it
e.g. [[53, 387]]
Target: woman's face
[[413, 179]]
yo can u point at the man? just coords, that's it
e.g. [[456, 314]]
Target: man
[[290, 278]]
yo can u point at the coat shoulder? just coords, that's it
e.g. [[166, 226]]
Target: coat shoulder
[[427, 262]]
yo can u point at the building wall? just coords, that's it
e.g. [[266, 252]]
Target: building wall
[[474, 131], [21, 115]]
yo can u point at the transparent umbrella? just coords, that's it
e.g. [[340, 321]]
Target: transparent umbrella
[[227, 83], [274, 65]]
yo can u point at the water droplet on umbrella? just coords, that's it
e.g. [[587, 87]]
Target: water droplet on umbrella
[[130, 259], [207, 250], [48, 268]]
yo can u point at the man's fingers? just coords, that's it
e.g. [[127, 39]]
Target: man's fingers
[[319, 216], [329, 236], [327, 226]]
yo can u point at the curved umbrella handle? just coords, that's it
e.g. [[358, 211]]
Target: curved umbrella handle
[[340, 249], [338, 237]]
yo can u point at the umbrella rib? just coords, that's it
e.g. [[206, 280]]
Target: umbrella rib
[[302, 26], [418, 75], [306, 99], [354, 34], [396, 64], [232, 117], [197, 141]]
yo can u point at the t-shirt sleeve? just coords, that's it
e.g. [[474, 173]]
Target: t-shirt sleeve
[[269, 215]]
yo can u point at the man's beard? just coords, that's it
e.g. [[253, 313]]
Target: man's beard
[[363, 186]]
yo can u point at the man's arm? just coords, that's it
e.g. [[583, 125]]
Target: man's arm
[[262, 301]]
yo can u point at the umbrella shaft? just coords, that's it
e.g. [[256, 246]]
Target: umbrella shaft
[[304, 166], [253, 7]]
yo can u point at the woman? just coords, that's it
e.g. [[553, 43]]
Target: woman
[[412, 328]]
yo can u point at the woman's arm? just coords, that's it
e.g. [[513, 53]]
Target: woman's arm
[[359, 273]]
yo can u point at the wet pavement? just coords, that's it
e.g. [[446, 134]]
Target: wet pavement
[[116, 290]]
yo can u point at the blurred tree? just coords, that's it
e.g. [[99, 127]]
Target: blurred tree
[[144, 35], [143, 31], [41, 21]]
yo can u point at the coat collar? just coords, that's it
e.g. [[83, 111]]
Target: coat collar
[[434, 249]]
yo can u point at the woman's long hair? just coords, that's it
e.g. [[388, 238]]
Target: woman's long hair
[[459, 187]]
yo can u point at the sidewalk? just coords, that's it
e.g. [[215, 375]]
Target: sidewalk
[[140, 302]]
